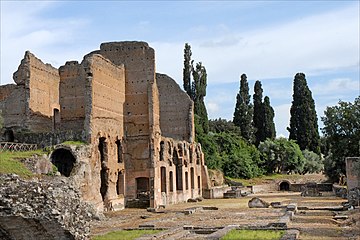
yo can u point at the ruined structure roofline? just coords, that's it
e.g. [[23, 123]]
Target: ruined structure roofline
[[124, 44], [96, 54], [175, 84]]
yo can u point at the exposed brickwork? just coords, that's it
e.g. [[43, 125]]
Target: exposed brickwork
[[139, 124]]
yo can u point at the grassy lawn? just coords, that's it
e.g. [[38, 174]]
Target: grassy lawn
[[9, 162], [77, 143], [124, 234], [253, 235]]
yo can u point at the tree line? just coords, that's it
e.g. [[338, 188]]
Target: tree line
[[247, 146]]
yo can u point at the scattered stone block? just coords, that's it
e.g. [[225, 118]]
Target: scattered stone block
[[256, 202], [147, 226]]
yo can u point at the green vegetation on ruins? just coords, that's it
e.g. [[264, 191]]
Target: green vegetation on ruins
[[9, 162], [125, 234], [253, 234], [76, 143]]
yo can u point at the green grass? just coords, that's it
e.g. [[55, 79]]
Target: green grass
[[77, 143], [9, 162], [124, 234], [253, 235]]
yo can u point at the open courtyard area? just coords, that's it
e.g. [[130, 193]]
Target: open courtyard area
[[316, 217]]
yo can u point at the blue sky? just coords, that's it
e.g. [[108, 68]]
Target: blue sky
[[270, 41]]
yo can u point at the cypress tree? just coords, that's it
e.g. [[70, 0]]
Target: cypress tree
[[187, 71], [258, 117], [269, 125], [243, 113], [303, 119], [199, 91]]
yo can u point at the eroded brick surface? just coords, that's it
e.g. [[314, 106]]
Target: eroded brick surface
[[139, 125]]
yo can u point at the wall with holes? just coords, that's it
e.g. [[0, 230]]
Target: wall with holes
[[176, 110], [33, 101], [72, 96]]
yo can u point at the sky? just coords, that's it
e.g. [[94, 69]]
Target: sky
[[269, 41]]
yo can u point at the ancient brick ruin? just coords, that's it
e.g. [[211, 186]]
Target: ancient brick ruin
[[139, 125]]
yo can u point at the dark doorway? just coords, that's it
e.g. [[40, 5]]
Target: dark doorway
[[120, 183], [284, 186], [119, 151], [56, 118], [163, 179], [9, 135], [64, 160], [104, 172]]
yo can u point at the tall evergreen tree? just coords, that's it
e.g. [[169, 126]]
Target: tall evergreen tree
[[269, 125], [258, 116], [243, 113], [199, 90], [303, 119], [187, 70]]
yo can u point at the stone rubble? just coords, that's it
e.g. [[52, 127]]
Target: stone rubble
[[45, 201]]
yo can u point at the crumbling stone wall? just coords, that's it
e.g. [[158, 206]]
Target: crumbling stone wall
[[105, 98], [352, 176], [176, 110], [140, 127], [72, 96], [31, 105], [180, 169], [42, 209], [141, 118]]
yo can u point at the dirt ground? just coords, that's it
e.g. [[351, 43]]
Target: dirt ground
[[313, 224]]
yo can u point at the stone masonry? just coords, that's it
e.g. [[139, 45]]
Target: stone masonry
[[138, 124]]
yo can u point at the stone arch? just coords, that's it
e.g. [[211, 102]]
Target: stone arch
[[284, 185], [64, 160]]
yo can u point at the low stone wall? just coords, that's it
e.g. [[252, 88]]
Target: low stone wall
[[42, 209], [322, 187], [264, 188], [215, 192]]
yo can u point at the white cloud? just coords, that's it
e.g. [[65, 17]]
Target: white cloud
[[23, 29], [316, 44], [338, 85]]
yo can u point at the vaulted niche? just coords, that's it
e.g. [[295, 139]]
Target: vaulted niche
[[64, 160]]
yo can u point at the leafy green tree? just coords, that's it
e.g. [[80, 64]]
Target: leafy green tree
[[200, 83], [223, 125], [281, 155], [243, 113], [269, 125], [303, 120], [187, 70], [313, 162], [239, 158], [342, 132], [258, 116]]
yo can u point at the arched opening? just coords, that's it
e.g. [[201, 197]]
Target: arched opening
[[171, 180], [192, 178], [9, 135], [162, 147], [64, 160], [284, 186], [163, 179]]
